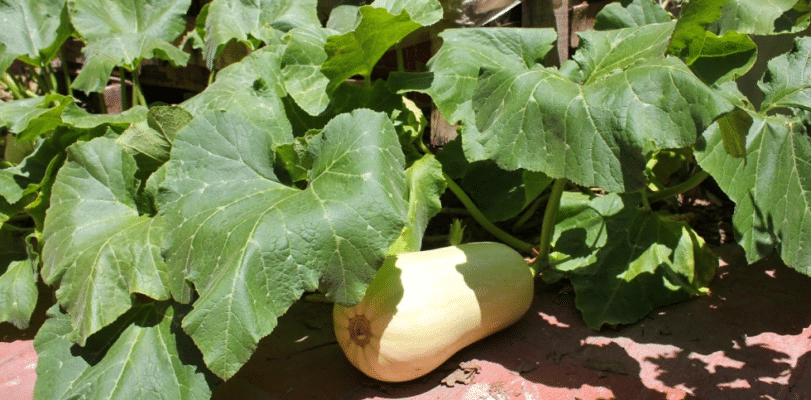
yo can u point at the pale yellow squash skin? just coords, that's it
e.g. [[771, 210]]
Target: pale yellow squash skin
[[423, 307]]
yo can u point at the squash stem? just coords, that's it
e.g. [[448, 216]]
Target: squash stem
[[500, 234], [530, 211], [12, 86], [548, 228], [690, 183], [400, 63], [65, 71]]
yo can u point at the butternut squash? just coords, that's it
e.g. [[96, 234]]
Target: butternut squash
[[423, 307]]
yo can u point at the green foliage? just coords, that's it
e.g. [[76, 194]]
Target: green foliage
[[175, 236], [122, 33], [777, 150], [282, 240]]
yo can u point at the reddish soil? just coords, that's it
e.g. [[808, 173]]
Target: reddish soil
[[749, 339]]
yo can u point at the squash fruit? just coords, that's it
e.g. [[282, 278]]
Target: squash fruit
[[423, 307]]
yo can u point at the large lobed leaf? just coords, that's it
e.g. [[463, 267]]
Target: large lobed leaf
[[770, 185], [99, 247], [425, 185], [787, 83], [594, 135], [302, 59], [770, 188], [123, 32], [455, 68], [126, 50], [356, 52], [253, 88], [160, 19], [34, 29], [636, 13], [251, 245], [243, 20], [18, 286], [596, 130], [624, 261], [150, 141], [716, 59], [140, 357], [760, 17]]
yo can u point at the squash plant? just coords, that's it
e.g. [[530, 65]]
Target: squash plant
[[174, 236]]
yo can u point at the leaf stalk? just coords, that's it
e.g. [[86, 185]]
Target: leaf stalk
[[690, 183], [500, 234], [548, 228]]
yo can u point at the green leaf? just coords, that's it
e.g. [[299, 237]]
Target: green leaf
[[425, 185], [758, 17], [733, 128], [6, 58], [34, 28], [159, 19], [252, 245], [18, 293], [76, 117], [16, 182], [693, 21], [253, 88], [603, 53], [142, 359], [95, 231], [499, 194], [30, 118], [625, 261], [348, 97], [302, 60], [343, 19], [127, 50], [714, 59], [579, 230], [423, 12], [465, 52], [637, 13], [722, 59], [769, 187], [540, 121], [294, 158], [150, 141], [242, 20], [122, 33], [787, 82], [357, 52]]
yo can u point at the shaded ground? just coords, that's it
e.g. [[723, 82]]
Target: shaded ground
[[749, 339]]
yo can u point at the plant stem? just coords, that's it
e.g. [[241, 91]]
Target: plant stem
[[12, 86], [690, 183], [23, 86], [645, 201], [423, 148], [53, 85], [505, 237], [548, 228], [530, 211], [400, 62], [65, 72], [368, 80], [137, 94], [41, 83]]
